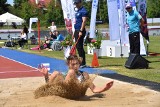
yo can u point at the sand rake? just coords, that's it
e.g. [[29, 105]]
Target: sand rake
[[73, 49]]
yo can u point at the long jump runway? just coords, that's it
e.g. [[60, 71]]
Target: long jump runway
[[15, 63], [12, 69]]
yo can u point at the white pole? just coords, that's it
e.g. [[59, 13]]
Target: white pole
[[36, 1], [55, 3]]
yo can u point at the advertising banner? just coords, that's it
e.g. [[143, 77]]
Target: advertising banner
[[122, 22], [68, 14], [114, 31], [93, 18]]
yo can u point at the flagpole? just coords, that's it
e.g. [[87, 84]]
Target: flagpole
[[39, 34], [55, 3]]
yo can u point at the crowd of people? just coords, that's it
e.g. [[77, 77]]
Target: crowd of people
[[49, 41], [54, 37]]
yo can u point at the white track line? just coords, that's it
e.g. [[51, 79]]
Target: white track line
[[18, 62], [5, 72]]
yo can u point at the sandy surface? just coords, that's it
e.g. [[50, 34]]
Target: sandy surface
[[18, 92]]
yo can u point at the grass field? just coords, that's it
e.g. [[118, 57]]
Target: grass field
[[117, 64]]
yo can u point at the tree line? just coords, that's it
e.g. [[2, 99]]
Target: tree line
[[53, 12]]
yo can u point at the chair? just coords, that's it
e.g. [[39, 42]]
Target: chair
[[33, 40], [9, 42], [56, 46], [25, 44]]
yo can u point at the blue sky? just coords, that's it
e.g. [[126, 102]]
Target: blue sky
[[10, 2]]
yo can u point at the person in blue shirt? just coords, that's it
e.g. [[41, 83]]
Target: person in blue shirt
[[80, 31], [134, 21], [56, 43], [60, 37]]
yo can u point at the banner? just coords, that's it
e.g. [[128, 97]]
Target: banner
[[114, 31], [64, 8], [142, 9], [122, 22], [68, 14], [93, 18], [142, 47]]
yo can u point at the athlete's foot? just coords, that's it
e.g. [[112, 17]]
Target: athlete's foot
[[109, 85]]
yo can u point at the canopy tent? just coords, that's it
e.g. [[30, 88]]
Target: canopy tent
[[9, 18]]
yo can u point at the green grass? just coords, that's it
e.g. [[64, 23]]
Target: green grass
[[117, 64]]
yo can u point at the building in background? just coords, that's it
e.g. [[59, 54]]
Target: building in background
[[40, 3]]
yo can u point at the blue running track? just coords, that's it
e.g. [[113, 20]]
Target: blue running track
[[55, 64], [60, 65]]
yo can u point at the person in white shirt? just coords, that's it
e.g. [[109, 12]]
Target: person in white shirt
[[53, 27], [22, 39]]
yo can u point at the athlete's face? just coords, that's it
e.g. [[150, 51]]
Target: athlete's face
[[74, 64]]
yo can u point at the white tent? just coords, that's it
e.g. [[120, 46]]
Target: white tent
[[9, 18]]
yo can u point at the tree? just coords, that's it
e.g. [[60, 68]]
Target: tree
[[153, 8], [27, 11], [54, 13], [4, 7], [88, 6], [17, 3], [102, 11]]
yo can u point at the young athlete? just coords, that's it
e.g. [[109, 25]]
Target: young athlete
[[73, 63]]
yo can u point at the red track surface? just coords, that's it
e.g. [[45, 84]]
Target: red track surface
[[12, 69]]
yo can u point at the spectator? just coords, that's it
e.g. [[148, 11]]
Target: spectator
[[134, 21], [56, 43], [52, 36], [22, 40], [46, 44], [60, 37], [25, 29], [33, 40], [53, 27]]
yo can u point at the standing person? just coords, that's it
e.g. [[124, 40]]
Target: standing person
[[134, 21], [53, 27], [25, 29], [80, 31]]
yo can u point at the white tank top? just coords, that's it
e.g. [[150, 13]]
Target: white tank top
[[80, 76]]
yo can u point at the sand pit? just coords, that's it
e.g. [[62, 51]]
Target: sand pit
[[70, 90], [19, 92]]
